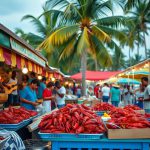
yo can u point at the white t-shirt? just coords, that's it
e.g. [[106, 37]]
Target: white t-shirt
[[13, 81], [106, 91], [61, 101], [127, 97], [146, 96]]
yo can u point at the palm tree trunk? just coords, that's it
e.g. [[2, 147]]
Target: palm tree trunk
[[145, 45], [83, 70], [138, 45], [96, 65], [129, 57]]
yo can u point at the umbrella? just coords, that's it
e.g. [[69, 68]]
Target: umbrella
[[127, 81]]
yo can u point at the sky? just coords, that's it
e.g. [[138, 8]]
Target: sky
[[11, 12]]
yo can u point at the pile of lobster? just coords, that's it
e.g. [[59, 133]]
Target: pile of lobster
[[127, 119], [72, 118], [132, 107], [15, 115], [103, 107]]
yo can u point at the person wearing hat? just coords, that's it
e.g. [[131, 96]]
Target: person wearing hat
[[48, 98], [115, 95]]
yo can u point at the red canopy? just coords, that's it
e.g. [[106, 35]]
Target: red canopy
[[95, 75]]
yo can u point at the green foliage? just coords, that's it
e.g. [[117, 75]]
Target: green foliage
[[67, 28]]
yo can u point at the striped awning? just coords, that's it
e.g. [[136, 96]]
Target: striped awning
[[15, 60]]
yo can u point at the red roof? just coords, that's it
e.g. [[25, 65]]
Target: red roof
[[95, 75]]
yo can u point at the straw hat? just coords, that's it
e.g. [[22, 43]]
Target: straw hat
[[116, 85]]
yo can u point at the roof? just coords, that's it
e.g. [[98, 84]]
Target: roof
[[95, 75], [23, 42]]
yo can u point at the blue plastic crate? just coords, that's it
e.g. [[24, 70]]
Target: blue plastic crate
[[101, 145], [12, 127], [100, 113], [56, 136]]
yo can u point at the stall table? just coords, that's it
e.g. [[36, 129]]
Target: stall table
[[100, 144]]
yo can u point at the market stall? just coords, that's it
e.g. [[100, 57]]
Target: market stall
[[79, 132], [16, 55], [137, 71]]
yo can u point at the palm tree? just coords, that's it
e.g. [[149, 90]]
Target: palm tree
[[118, 64], [85, 29], [44, 25], [130, 4], [134, 37], [141, 17], [21, 34], [136, 59]]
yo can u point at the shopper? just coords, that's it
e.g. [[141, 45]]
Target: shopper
[[32, 76], [144, 81], [139, 96], [68, 90], [78, 91], [60, 94], [105, 92], [96, 90], [28, 95], [41, 87], [115, 95], [48, 98], [25, 80], [127, 96], [90, 91]]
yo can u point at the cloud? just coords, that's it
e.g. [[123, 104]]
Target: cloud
[[11, 12]]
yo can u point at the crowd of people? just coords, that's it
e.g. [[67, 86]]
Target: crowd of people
[[53, 94], [30, 90], [125, 94]]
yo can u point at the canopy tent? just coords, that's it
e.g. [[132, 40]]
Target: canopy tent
[[136, 75], [127, 81], [137, 71], [95, 75]]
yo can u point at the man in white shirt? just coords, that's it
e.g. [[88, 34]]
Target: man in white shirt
[[144, 81], [60, 94], [13, 97], [105, 93]]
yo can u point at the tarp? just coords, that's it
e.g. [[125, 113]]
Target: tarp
[[95, 75]]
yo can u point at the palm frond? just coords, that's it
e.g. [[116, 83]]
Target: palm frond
[[119, 35], [38, 24], [60, 4], [113, 21], [67, 51], [103, 57], [101, 35], [83, 43], [62, 35], [130, 4], [34, 39], [113, 46]]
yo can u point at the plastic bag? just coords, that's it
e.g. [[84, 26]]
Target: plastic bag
[[121, 104], [13, 141]]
